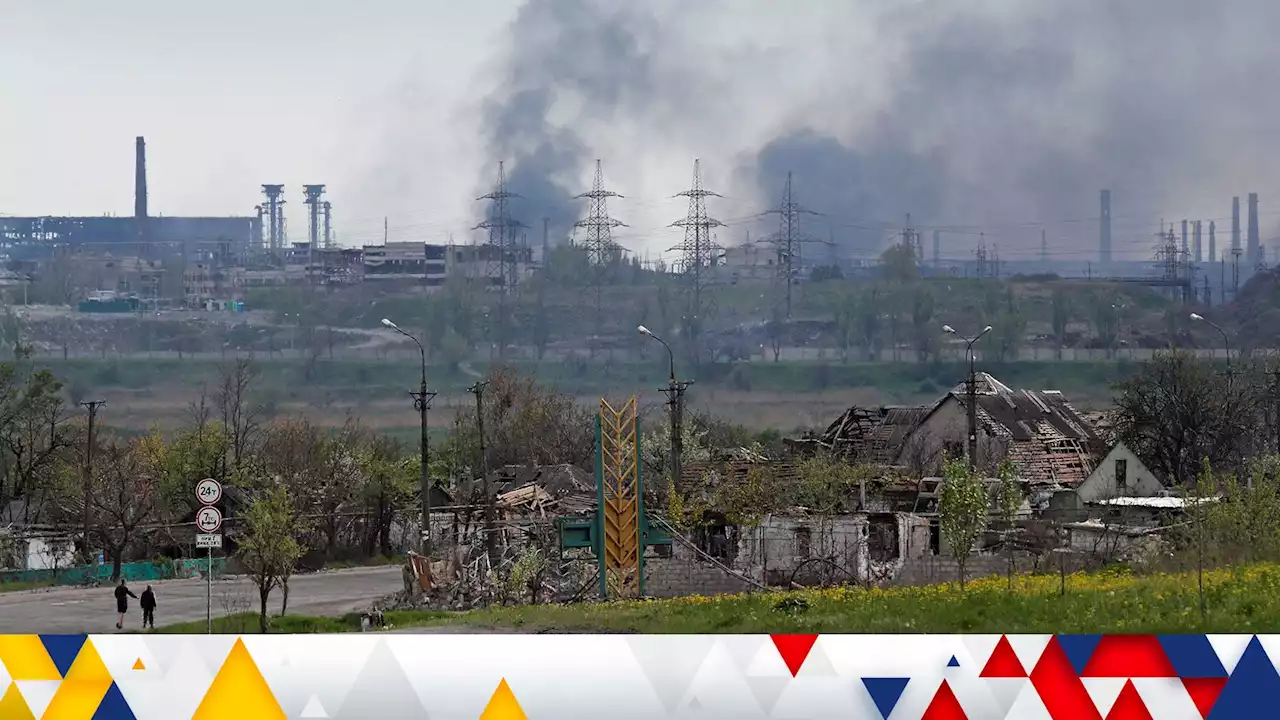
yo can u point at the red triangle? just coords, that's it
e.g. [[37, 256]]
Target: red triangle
[[1129, 705], [1129, 656], [1204, 692], [794, 649], [944, 706], [1003, 662]]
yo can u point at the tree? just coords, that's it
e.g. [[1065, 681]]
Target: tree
[[1060, 311], [963, 508], [869, 308], [922, 307], [241, 414], [776, 330], [898, 263], [527, 423], [1009, 502], [1177, 410], [1106, 321], [268, 549], [389, 484], [122, 495], [846, 321]]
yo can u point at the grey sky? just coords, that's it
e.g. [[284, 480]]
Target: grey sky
[[1004, 115]]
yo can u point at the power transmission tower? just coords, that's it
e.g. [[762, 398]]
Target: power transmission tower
[[788, 240], [603, 253], [698, 253], [501, 252]]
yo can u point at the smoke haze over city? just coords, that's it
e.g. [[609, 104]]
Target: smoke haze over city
[[998, 116]]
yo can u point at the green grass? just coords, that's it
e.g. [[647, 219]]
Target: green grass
[[20, 586], [1238, 600]]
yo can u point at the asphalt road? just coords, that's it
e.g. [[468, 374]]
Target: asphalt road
[[92, 610]]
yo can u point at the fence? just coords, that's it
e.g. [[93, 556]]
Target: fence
[[131, 572]]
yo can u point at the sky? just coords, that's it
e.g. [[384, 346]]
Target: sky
[[991, 120]]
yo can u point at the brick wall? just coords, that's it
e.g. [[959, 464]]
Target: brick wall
[[685, 573], [935, 569]]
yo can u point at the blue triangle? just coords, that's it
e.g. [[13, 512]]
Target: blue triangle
[[114, 706], [1079, 648], [1252, 689], [1192, 656], [885, 692], [953, 662], [63, 650]]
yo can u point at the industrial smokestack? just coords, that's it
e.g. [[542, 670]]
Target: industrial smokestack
[[1185, 248], [1213, 242], [1195, 242], [1235, 223], [140, 194], [1255, 249], [1104, 228]]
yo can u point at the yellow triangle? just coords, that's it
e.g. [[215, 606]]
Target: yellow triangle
[[77, 699], [239, 691], [26, 659], [503, 705], [138, 665], [88, 666], [13, 706]]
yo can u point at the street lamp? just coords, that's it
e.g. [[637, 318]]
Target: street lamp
[[675, 399], [421, 403], [972, 392], [1226, 342]]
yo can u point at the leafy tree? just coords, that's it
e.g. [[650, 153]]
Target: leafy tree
[[846, 321], [268, 548], [898, 263], [922, 309], [963, 509], [869, 310], [1176, 410], [1009, 501], [389, 485]]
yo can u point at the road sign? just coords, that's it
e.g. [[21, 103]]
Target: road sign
[[208, 540], [208, 519], [208, 491]]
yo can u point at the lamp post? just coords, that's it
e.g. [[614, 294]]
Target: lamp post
[[421, 403], [1226, 342], [972, 392], [675, 399]]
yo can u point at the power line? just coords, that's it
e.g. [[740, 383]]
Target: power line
[[501, 250], [788, 240], [698, 252]]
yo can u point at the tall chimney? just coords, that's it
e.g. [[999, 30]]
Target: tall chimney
[[1235, 223], [140, 194], [1195, 242], [1213, 242], [1185, 248], [1104, 229], [1255, 250]]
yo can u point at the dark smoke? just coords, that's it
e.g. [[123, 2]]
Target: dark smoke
[[563, 52], [1004, 117]]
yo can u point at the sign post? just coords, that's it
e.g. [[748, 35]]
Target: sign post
[[208, 523]]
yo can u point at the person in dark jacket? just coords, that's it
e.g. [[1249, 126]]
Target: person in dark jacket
[[123, 593], [148, 603]]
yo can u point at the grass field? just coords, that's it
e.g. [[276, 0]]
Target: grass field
[[787, 395], [1238, 600]]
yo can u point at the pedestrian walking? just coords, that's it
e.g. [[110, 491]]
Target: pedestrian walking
[[148, 603], [123, 593]]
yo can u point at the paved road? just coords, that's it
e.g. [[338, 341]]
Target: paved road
[[92, 610]]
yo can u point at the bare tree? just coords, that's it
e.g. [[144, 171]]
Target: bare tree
[[123, 496], [241, 414]]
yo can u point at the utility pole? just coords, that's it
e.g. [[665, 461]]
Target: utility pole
[[422, 403], [92, 406], [490, 538]]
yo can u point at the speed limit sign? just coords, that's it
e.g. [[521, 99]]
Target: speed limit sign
[[208, 491], [209, 519]]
